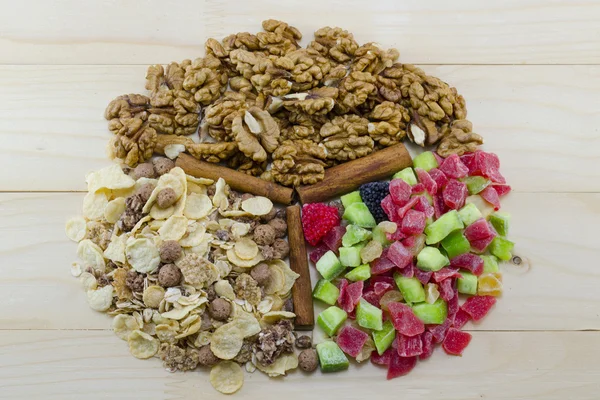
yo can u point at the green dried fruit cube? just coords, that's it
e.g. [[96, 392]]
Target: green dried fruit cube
[[355, 234], [368, 316], [469, 214], [476, 184], [326, 291], [352, 197], [441, 228], [501, 248], [425, 160], [383, 339], [435, 313], [331, 357], [490, 264], [411, 289], [380, 236], [467, 283], [331, 319], [431, 259], [500, 222], [359, 214], [329, 266], [456, 244], [407, 175], [360, 273], [350, 256]]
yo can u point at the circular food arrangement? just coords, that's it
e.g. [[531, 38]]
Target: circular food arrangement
[[239, 172]]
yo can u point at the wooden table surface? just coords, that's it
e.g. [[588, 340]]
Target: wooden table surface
[[530, 71]]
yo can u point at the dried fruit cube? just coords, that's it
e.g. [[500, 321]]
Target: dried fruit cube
[[331, 357], [350, 256], [333, 238], [502, 248], [371, 251], [404, 319], [456, 341], [455, 194], [479, 246], [359, 214], [456, 244], [400, 366], [502, 190], [453, 167], [329, 265], [360, 273], [426, 161], [490, 284], [389, 208], [490, 195], [479, 229], [427, 181], [326, 292], [434, 313], [413, 223], [431, 259], [490, 264], [414, 244], [469, 214], [383, 359], [423, 276], [351, 340], [350, 294], [400, 192], [446, 289], [409, 346], [411, 289], [500, 222], [399, 255], [368, 316], [439, 207], [423, 204], [460, 319], [439, 177], [441, 228], [467, 283], [380, 235], [355, 234], [418, 188], [349, 198], [439, 331], [476, 184], [383, 339], [382, 265], [331, 319], [427, 344], [445, 273], [317, 252], [478, 306], [483, 206], [407, 175]]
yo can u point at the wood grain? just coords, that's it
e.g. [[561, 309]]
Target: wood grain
[[302, 290], [542, 122], [97, 365], [557, 289], [464, 32]]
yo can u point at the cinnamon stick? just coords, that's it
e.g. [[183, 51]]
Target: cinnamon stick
[[302, 289], [236, 180], [349, 176]]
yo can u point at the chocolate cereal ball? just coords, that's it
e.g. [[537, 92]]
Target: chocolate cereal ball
[[261, 274], [169, 275], [166, 198], [264, 235], [307, 360], [206, 357], [162, 165], [144, 170], [280, 227], [219, 309], [170, 251], [145, 191], [281, 248]]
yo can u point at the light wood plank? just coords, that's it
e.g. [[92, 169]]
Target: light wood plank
[[555, 235], [496, 365], [540, 120], [460, 32]]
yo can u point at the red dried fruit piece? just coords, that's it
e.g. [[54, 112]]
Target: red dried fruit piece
[[317, 220], [423, 205], [479, 246], [372, 298], [380, 288], [427, 344], [439, 177], [446, 290], [454, 194], [409, 346], [333, 238], [502, 190], [351, 340], [401, 211], [404, 320], [490, 195], [398, 235], [445, 273], [469, 261], [439, 331], [400, 191], [453, 306], [487, 165], [438, 158], [468, 159], [388, 207], [427, 180], [478, 306], [456, 341], [423, 276], [383, 359], [413, 223], [478, 230], [350, 294], [318, 252], [440, 208], [399, 255], [460, 319], [418, 189], [381, 265], [453, 167], [414, 243], [400, 366], [409, 271]]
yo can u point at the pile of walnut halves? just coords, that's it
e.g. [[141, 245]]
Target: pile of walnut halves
[[265, 106]]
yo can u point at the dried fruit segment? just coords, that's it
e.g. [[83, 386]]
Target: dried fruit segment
[[456, 341], [317, 220], [351, 340], [331, 357]]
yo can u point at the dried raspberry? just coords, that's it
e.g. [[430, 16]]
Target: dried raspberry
[[317, 220]]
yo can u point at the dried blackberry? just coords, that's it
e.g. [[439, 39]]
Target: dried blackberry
[[372, 193]]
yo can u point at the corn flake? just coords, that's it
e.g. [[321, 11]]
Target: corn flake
[[280, 366], [257, 205], [142, 345], [199, 181], [223, 289], [114, 209], [233, 258], [76, 228], [142, 254], [226, 341], [273, 316], [91, 255], [289, 275], [124, 324], [100, 299], [111, 177], [93, 205], [246, 249], [88, 281], [227, 377], [197, 206], [115, 251], [158, 213], [166, 333], [276, 281], [174, 228], [193, 236]]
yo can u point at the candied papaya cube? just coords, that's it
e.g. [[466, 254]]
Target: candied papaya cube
[[383, 339], [326, 291], [456, 244], [360, 273], [427, 181], [467, 283], [500, 222], [454, 194], [443, 226], [411, 288], [368, 316], [407, 175], [489, 284], [329, 266], [453, 167], [331, 357], [399, 255], [468, 261], [404, 319], [502, 248], [478, 306], [400, 191], [456, 341], [480, 229], [333, 239], [431, 259], [426, 161], [435, 313], [331, 319], [413, 223], [409, 346], [352, 197]]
